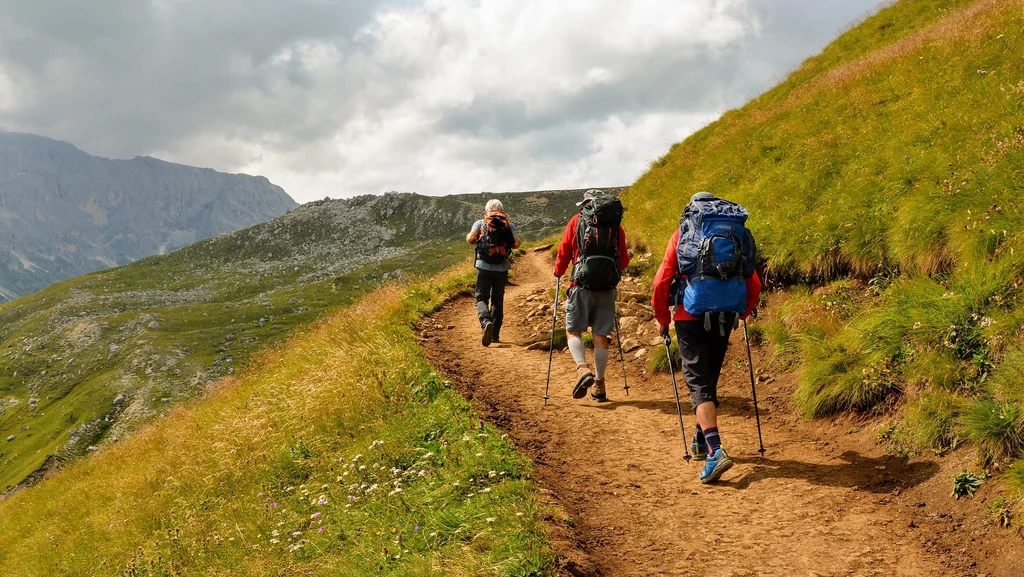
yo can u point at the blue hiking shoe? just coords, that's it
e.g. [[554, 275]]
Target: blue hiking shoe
[[715, 466], [699, 450]]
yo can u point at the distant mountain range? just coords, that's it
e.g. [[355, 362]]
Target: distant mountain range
[[64, 212]]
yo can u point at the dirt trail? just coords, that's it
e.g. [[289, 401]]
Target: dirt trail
[[812, 506]]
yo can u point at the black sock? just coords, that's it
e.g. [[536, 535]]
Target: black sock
[[714, 442], [699, 437]]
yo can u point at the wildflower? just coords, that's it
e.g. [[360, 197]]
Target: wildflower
[[273, 505], [415, 527], [519, 514], [376, 444], [259, 494], [395, 492], [479, 454], [341, 459], [321, 529], [351, 497], [357, 457], [276, 533], [315, 515], [297, 533], [275, 540], [322, 500], [324, 487], [362, 467], [485, 490], [491, 519], [434, 534]]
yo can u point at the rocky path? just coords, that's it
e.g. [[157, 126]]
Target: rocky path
[[813, 505]]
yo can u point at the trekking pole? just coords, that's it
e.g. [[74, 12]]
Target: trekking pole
[[750, 363], [675, 389], [618, 340], [551, 348]]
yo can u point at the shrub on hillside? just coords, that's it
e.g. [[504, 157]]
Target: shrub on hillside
[[995, 427]]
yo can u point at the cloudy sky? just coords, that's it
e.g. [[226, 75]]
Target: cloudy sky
[[338, 97]]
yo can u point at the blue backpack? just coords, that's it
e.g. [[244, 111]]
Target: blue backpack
[[716, 255]]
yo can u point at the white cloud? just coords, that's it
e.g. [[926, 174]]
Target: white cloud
[[439, 96]]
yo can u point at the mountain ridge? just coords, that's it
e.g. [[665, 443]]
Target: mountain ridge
[[66, 212]]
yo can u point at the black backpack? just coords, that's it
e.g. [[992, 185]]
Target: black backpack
[[597, 236], [496, 239]]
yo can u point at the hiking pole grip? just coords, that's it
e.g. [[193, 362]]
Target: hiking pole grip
[[551, 346], [675, 390], [753, 388], [622, 359]]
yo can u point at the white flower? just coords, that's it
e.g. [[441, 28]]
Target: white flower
[[491, 519], [485, 490]]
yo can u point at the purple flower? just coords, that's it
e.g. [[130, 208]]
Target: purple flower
[[315, 515], [341, 459], [416, 528], [321, 529], [273, 505], [351, 498], [259, 494]]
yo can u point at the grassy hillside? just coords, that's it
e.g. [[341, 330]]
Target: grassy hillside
[[338, 453], [84, 362], [884, 178]]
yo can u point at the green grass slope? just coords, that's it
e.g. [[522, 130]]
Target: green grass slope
[[337, 453], [84, 362], [887, 173]]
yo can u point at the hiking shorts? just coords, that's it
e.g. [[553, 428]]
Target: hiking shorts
[[585, 309], [703, 352]]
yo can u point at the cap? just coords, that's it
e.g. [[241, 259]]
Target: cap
[[702, 195], [589, 196]]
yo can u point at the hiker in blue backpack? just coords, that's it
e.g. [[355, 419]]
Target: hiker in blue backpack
[[595, 243], [495, 238], [708, 276]]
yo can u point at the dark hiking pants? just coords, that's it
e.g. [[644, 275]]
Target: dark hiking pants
[[490, 297], [703, 352]]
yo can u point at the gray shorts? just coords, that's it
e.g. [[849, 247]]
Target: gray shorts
[[586, 308]]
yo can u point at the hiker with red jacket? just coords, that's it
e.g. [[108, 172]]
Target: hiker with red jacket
[[708, 275], [495, 238], [595, 243]]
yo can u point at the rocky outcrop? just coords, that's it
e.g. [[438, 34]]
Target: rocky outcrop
[[64, 212]]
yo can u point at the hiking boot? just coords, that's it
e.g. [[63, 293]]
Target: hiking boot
[[714, 467], [599, 394], [699, 450], [488, 335], [584, 379]]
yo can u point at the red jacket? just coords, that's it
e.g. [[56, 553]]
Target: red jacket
[[569, 252], [667, 273]]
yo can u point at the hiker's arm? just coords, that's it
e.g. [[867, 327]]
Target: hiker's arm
[[473, 235], [663, 284], [565, 248], [753, 293], [517, 243], [515, 235]]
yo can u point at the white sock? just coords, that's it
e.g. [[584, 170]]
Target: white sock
[[600, 362], [579, 353]]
